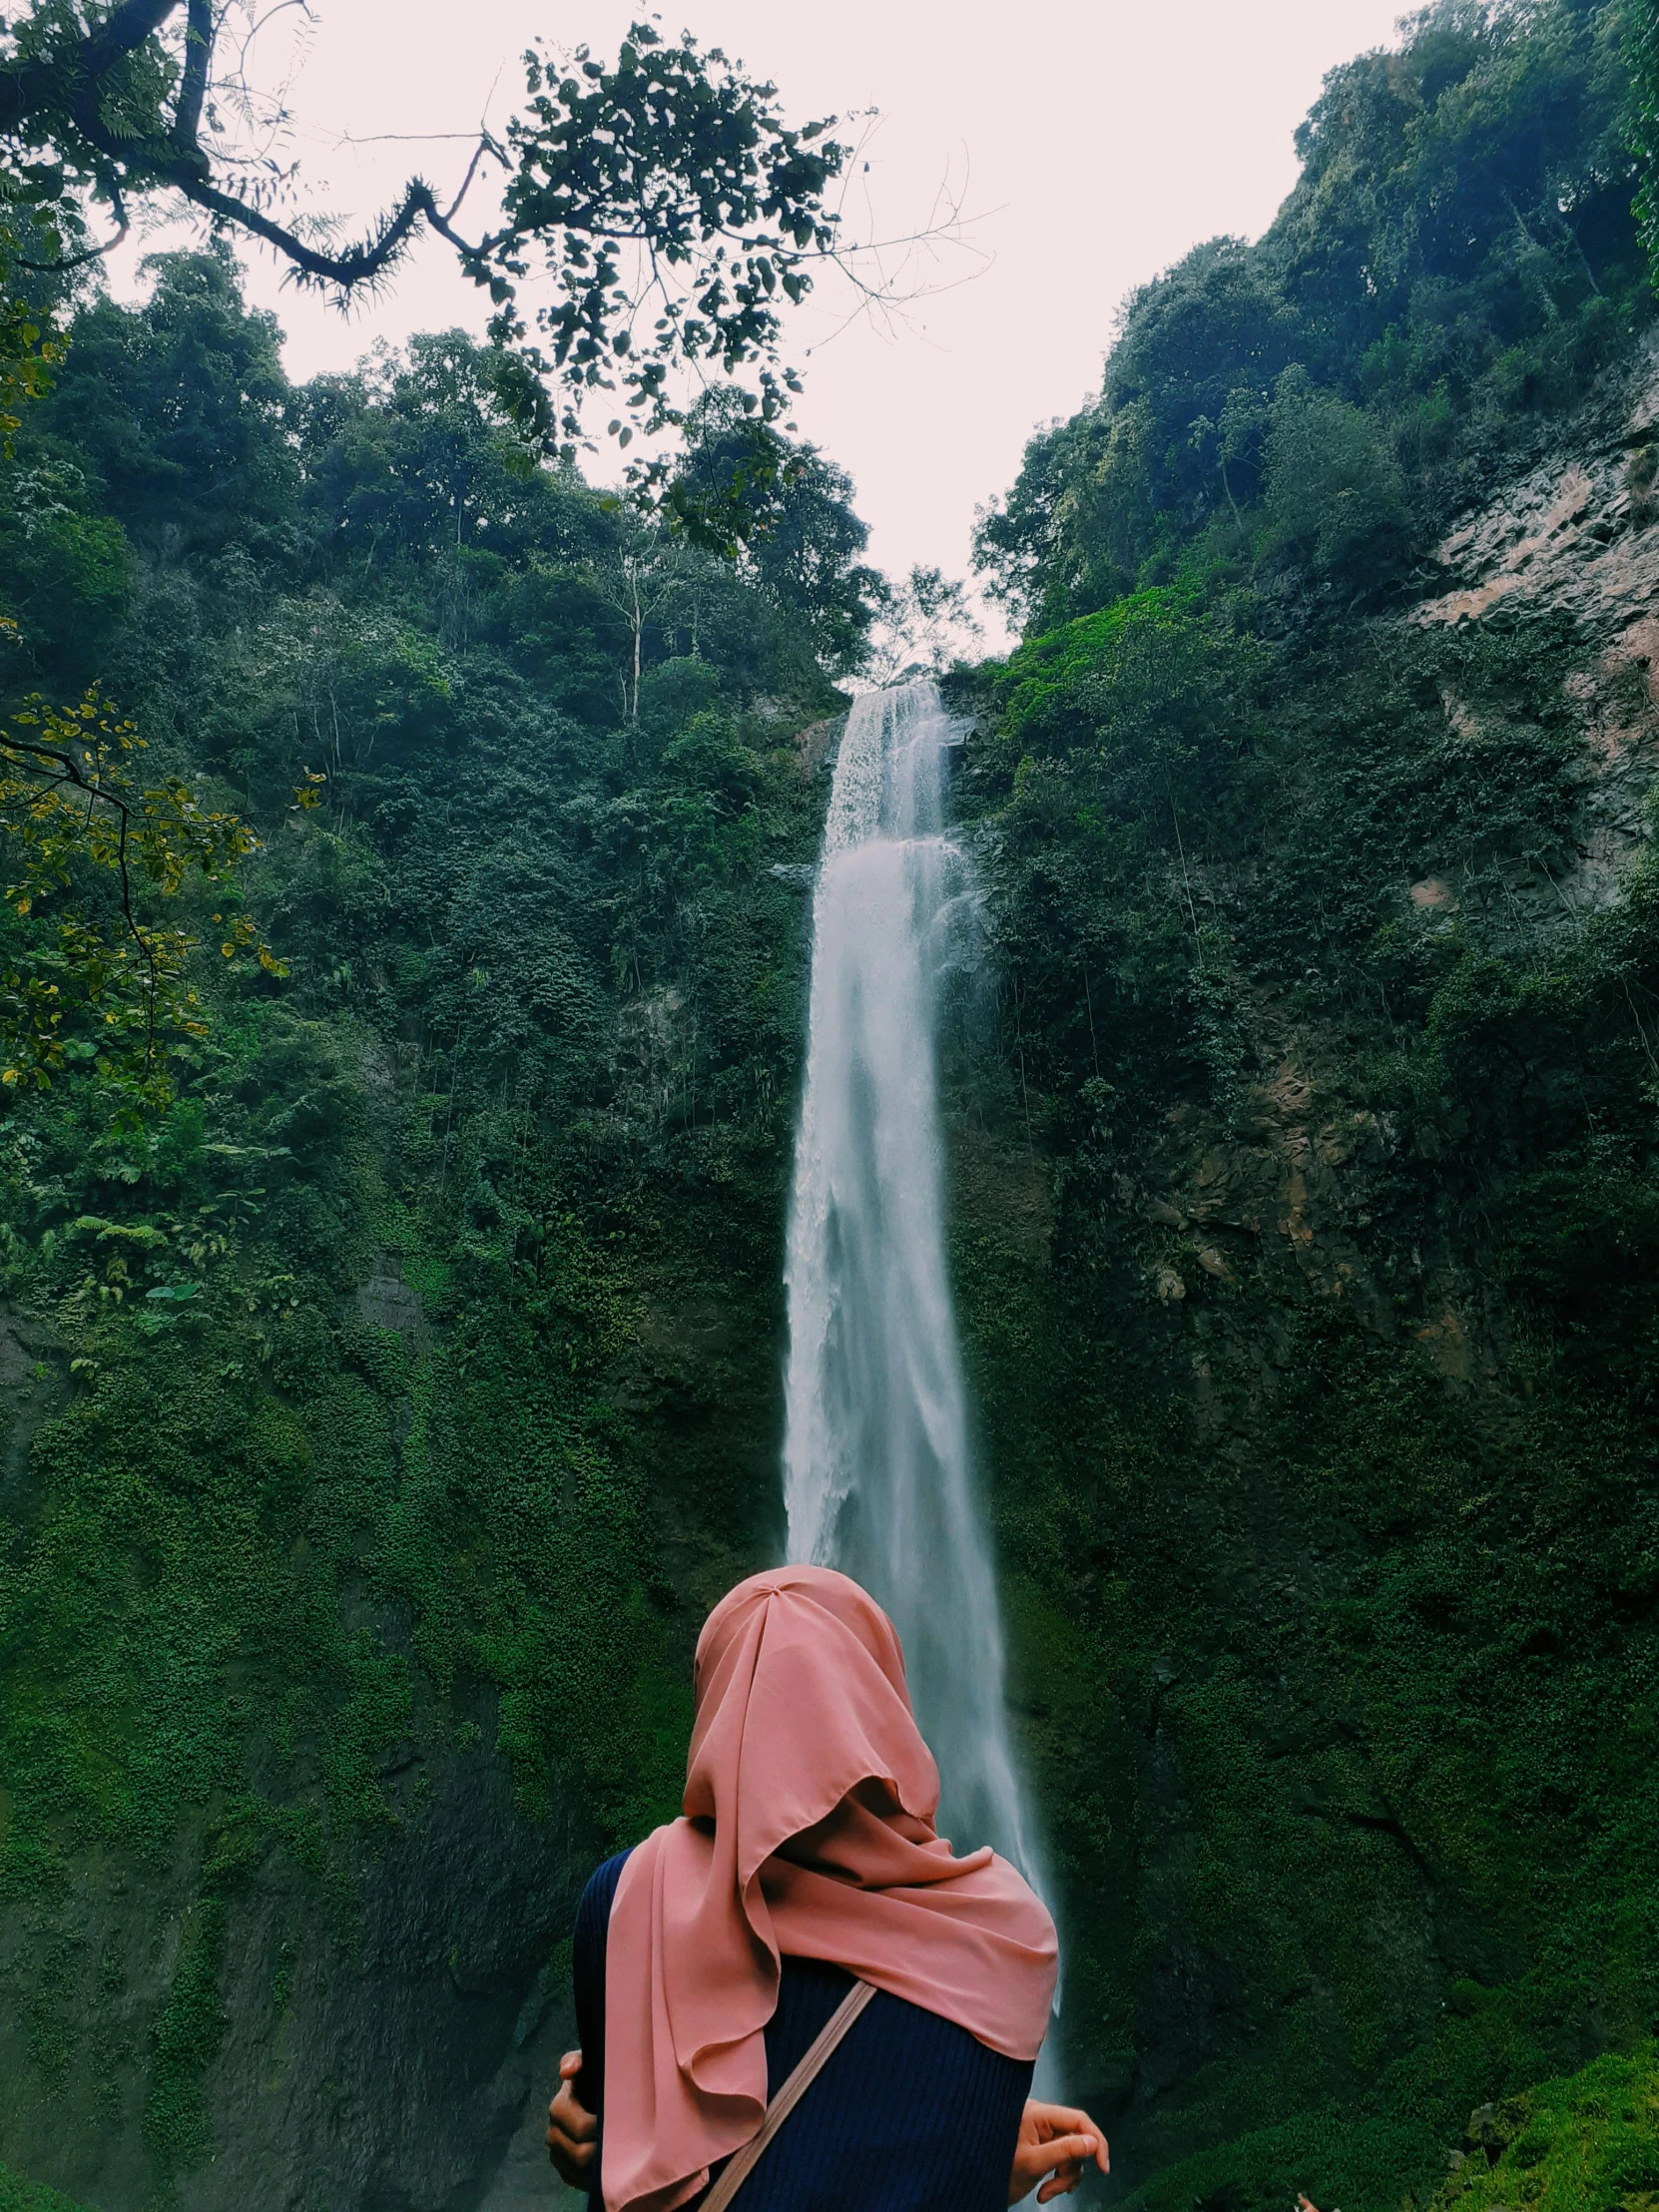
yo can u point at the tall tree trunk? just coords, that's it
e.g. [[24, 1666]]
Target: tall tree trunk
[[638, 626]]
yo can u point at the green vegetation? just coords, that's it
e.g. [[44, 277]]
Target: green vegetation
[[113, 987], [390, 1391], [18, 2195], [1642, 122], [1318, 1349], [357, 1351], [1592, 2139], [1585, 2144], [1457, 262]]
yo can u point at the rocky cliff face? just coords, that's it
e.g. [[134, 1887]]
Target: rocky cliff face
[[1573, 540], [382, 2053], [1297, 1191], [1334, 1565], [1573, 532]]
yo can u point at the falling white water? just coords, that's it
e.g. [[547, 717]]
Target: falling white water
[[877, 1476]]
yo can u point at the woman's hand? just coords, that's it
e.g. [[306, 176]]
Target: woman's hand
[[1056, 2141], [572, 2128]]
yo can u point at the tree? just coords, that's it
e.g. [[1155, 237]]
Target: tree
[[181, 404], [1335, 496], [1026, 545], [637, 583], [928, 622], [1209, 326], [801, 538], [430, 447], [28, 345], [665, 201], [1459, 252]]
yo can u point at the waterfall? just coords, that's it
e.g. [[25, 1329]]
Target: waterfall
[[877, 1473]]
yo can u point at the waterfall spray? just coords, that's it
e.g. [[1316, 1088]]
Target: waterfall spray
[[877, 1476]]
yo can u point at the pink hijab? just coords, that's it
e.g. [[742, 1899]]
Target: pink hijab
[[808, 1830]]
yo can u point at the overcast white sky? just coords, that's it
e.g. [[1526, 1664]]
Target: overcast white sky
[[1091, 142]]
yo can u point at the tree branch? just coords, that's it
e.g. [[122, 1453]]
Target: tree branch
[[696, 169], [70, 771], [70, 83], [123, 30], [30, 88], [185, 171], [88, 253], [199, 53]]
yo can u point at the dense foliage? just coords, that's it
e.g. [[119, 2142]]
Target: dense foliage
[[1330, 1413], [1642, 44], [373, 1316], [1458, 261]]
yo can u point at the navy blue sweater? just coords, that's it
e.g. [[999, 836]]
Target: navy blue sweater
[[912, 2113]]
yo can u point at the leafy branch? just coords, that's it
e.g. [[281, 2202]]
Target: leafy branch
[[29, 347], [671, 208], [108, 988]]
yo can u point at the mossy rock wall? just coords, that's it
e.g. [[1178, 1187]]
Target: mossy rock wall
[[1302, 1238]]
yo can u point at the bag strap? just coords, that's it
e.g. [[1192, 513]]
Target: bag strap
[[743, 2162]]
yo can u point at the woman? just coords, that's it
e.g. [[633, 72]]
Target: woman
[[708, 1960]]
